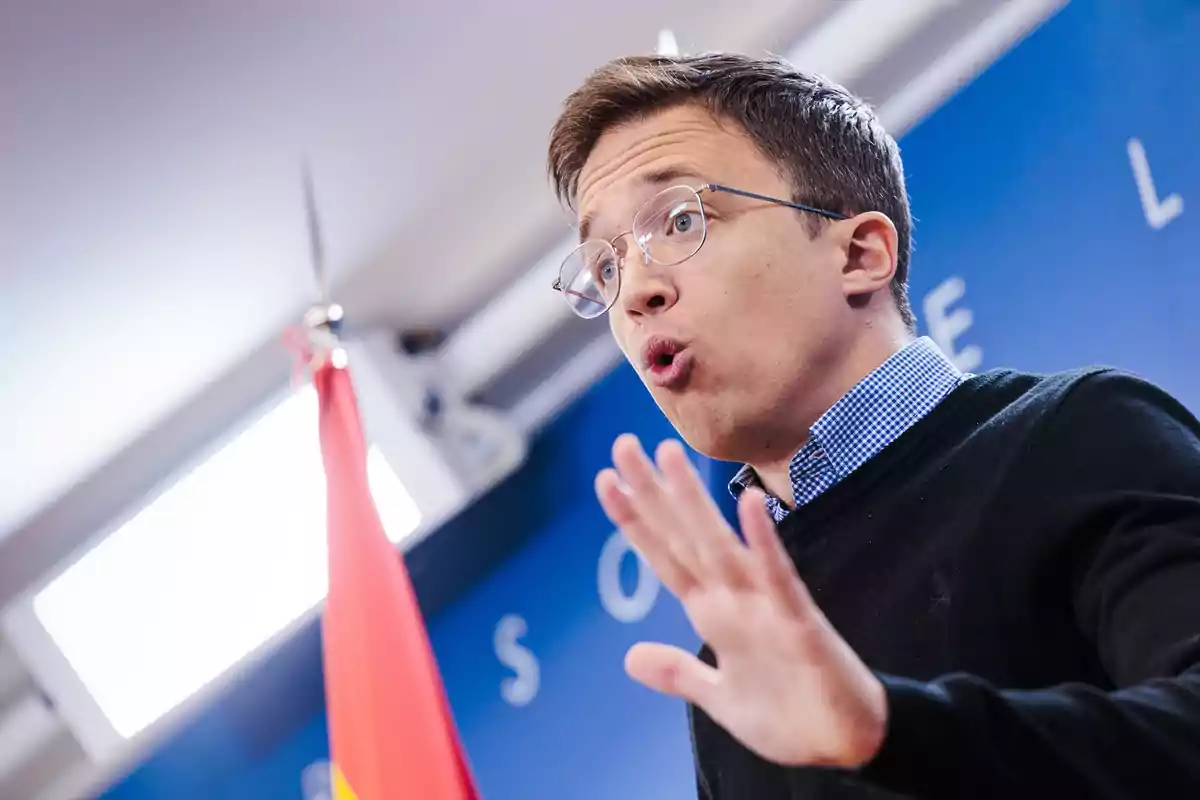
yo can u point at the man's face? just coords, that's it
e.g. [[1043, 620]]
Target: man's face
[[753, 320]]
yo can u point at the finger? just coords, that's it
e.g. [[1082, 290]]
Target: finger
[[619, 508], [634, 465], [670, 670], [658, 510], [775, 567], [718, 550]]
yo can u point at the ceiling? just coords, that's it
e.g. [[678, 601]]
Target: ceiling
[[151, 226]]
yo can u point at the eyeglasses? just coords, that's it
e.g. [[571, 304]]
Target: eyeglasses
[[669, 228]]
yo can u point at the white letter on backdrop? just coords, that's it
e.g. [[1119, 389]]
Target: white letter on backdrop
[[1158, 212], [521, 689], [623, 607], [945, 327]]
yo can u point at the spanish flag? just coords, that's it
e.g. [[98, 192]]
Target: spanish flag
[[392, 736]]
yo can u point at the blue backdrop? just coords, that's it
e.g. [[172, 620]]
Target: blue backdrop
[[1039, 244]]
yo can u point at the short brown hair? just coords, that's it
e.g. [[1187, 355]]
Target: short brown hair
[[829, 143]]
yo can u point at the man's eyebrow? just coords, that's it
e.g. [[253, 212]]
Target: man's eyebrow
[[585, 225], [675, 174]]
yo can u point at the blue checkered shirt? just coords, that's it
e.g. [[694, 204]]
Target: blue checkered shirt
[[867, 419]]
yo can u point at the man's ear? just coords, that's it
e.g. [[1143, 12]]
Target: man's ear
[[871, 244]]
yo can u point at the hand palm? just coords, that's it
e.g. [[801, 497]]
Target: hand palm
[[787, 686]]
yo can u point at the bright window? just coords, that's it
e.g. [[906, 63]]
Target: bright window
[[223, 560]]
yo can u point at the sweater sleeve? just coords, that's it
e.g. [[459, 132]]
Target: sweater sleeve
[[702, 792], [1122, 460]]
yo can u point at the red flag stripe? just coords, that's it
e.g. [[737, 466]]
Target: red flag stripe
[[391, 731]]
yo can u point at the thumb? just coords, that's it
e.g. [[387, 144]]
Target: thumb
[[670, 670]]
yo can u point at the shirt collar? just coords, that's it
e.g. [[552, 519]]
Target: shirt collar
[[876, 410]]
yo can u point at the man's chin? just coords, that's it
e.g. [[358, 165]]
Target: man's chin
[[701, 432]]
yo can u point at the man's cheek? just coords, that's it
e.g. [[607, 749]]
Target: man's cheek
[[618, 334]]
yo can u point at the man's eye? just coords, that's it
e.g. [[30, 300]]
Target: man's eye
[[604, 271], [683, 222]]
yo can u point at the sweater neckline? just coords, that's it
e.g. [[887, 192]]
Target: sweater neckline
[[945, 421]]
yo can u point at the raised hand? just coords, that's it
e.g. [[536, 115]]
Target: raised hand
[[787, 685]]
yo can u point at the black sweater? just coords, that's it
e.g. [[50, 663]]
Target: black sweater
[[1027, 557]]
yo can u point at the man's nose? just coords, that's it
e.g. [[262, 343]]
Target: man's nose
[[646, 288]]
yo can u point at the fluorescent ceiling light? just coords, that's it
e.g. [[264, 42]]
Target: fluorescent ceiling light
[[858, 35], [215, 566]]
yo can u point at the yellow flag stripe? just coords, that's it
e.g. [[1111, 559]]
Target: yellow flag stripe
[[341, 789]]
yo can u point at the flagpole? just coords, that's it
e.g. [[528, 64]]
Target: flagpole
[[323, 321], [391, 729]]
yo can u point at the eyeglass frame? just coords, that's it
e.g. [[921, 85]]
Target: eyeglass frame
[[705, 187]]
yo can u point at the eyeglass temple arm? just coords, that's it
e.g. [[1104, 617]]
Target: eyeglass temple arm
[[716, 187]]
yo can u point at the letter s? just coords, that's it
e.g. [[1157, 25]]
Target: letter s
[[521, 689]]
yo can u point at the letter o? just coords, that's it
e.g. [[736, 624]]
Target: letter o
[[624, 607]]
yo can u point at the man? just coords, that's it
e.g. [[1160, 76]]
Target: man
[[950, 586]]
